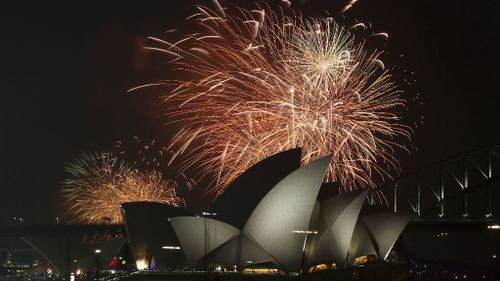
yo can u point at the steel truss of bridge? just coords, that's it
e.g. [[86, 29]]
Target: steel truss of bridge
[[460, 190]]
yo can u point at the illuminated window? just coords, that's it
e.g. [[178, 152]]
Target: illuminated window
[[261, 271]]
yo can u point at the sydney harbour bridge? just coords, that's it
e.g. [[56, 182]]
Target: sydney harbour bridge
[[461, 190]]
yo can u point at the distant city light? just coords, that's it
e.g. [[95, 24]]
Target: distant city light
[[494, 226], [171, 247], [209, 214], [305, 231]]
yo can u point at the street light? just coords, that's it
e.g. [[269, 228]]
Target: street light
[[171, 247]]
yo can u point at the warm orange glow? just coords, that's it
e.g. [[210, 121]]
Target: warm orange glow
[[360, 260], [261, 271], [319, 267], [141, 264]]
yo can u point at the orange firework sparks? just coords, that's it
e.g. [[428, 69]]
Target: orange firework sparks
[[258, 82], [98, 183]]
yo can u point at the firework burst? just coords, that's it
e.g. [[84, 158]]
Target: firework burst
[[98, 183], [257, 82]]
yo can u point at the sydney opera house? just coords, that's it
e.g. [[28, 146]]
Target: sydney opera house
[[288, 223]]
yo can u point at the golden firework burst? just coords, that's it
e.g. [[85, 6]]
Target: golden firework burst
[[98, 183]]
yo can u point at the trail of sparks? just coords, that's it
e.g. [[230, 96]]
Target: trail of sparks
[[258, 82], [98, 183]]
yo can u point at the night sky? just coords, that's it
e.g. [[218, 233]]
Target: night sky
[[65, 69]]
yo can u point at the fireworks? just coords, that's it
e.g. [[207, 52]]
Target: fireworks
[[142, 154], [256, 82], [149, 154], [98, 183]]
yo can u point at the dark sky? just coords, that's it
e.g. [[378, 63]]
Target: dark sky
[[65, 69]]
